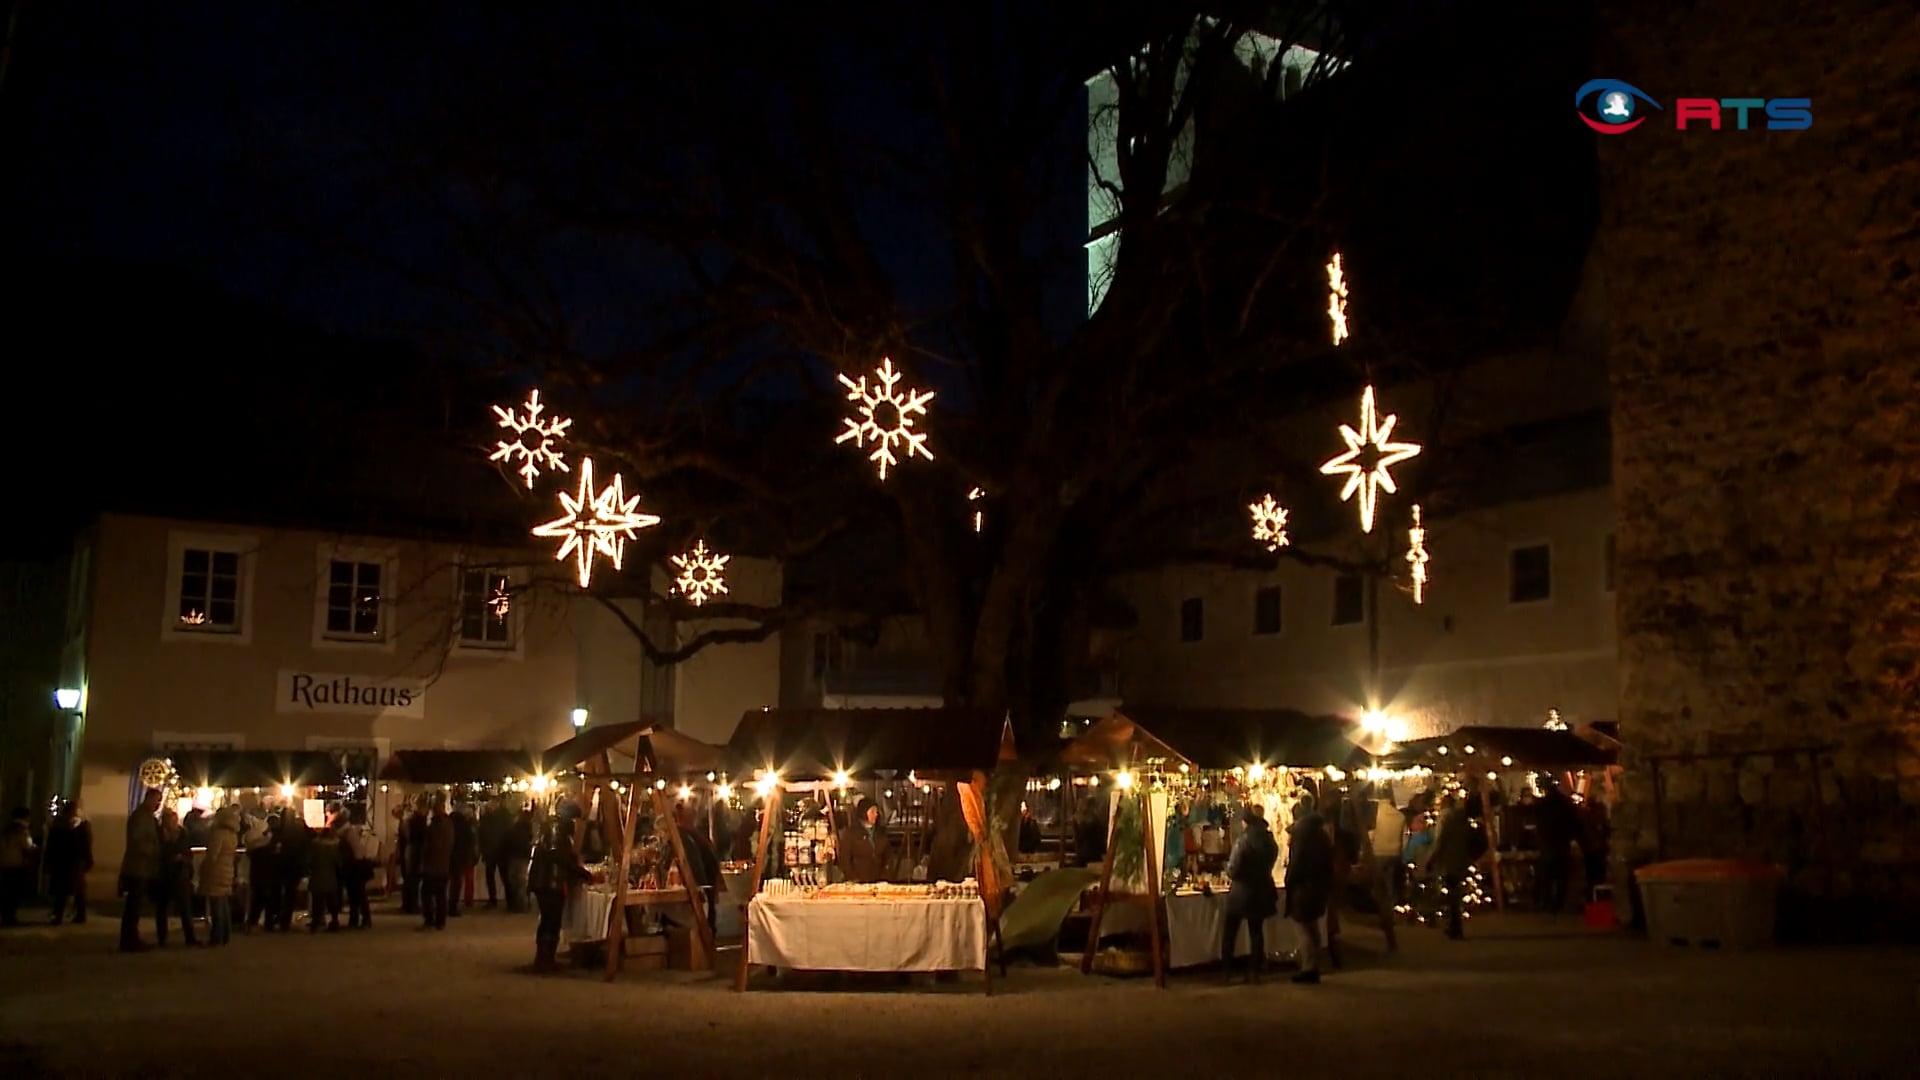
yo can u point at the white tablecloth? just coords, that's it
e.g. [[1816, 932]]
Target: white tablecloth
[[868, 935], [587, 915], [1194, 927]]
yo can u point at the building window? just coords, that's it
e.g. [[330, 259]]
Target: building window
[[486, 609], [1530, 574], [1607, 569], [1193, 619], [1349, 600], [353, 599], [1266, 610], [209, 592]]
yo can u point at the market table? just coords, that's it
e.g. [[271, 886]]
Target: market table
[[873, 935], [1195, 924]]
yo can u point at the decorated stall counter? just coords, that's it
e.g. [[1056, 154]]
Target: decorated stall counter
[[839, 881]]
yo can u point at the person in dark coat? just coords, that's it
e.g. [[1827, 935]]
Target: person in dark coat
[[413, 849], [295, 838], [1309, 882], [515, 851], [466, 855], [1451, 859], [493, 827], [1558, 822], [436, 865], [324, 873], [555, 870], [69, 856], [862, 853], [173, 890], [263, 871], [1253, 898], [139, 868]]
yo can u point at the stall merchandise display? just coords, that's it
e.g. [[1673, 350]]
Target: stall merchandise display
[[782, 889]]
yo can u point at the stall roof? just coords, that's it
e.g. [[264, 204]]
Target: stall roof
[[257, 768], [669, 750], [1528, 747], [456, 766], [809, 743], [1218, 738]]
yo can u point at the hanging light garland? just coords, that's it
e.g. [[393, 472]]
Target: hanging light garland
[[1417, 556]]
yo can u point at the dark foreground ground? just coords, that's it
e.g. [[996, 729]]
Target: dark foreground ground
[[1524, 997]]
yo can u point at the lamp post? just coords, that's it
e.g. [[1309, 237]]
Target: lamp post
[[579, 717]]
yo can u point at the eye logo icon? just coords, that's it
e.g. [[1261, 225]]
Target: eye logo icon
[[1608, 105]]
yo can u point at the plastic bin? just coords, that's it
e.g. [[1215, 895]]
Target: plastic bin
[[1712, 903]]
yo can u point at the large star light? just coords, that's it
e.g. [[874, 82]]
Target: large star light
[[595, 524], [1370, 453], [535, 441], [703, 574], [884, 416], [1270, 523]]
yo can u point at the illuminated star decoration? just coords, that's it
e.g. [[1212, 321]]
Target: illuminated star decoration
[[1337, 299], [534, 440], [702, 574], [885, 416], [1417, 557], [501, 602], [1372, 440], [1270, 523], [979, 516], [595, 523]]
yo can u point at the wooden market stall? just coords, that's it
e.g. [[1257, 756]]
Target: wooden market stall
[[832, 756], [1161, 753], [1506, 763], [623, 768]]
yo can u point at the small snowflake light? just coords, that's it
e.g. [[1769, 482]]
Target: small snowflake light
[[595, 523], [884, 416], [535, 441], [1270, 523], [1370, 453], [1417, 557], [703, 574], [1337, 298], [979, 516]]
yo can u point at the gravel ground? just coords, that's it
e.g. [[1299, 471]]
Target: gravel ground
[[1522, 997]]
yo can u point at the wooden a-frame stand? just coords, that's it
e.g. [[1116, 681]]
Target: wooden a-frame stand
[[973, 806], [618, 818], [1151, 900]]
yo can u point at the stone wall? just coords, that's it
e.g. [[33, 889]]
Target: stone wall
[[1764, 345]]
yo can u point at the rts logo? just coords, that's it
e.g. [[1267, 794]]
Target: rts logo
[[1609, 107]]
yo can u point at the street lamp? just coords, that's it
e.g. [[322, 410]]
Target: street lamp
[[67, 698], [579, 717]]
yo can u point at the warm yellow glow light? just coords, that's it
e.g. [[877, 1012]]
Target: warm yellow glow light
[[1337, 298], [724, 791], [535, 441], [1507, 761], [203, 796], [1417, 556], [884, 416], [595, 523], [703, 574], [1373, 721], [1124, 780], [1335, 774], [685, 793], [541, 784], [286, 790], [501, 602], [578, 717], [841, 779], [979, 517], [1256, 770], [1053, 784], [1372, 441], [1467, 748], [1269, 523]]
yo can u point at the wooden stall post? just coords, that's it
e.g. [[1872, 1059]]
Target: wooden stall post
[[772, 804], [617, 916], [663, 811], [1152, 899], [974, 808], [1493, 849]]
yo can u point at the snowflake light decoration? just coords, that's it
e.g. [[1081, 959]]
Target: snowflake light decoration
[[885, 413], [703, 574], [595, 524], [1369, 455], [534, 440], [1417, 556], [1270, 523], [1337, 298]]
